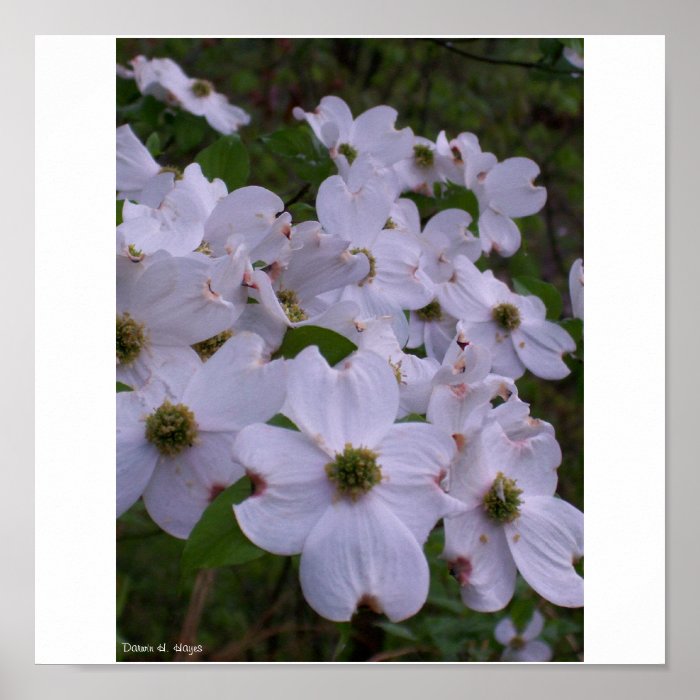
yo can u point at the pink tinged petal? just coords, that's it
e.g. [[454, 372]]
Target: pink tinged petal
[[136, 458], [374, 132], [505, 631], [531, 463], [322, 264], [373, 302], [357, 216], [361, 554], [545, 541], [576, 288], [398, 272], [415, 458], [183, 486], [534, 627], [452, 406], [135, 165], [498, 232], [533, 651], [504, 359], [477, 554], [355, 404], [466, 295], [541, 346], [248, 211], [510, 190], [237, 386], [292, 491], [179, 304]]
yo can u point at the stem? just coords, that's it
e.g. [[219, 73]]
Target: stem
[[188, 634]]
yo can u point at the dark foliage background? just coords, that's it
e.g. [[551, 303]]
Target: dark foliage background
[[520, 98]]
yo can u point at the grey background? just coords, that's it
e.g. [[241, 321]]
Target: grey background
[[19, 678]]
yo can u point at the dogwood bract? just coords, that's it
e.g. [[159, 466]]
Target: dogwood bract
[[353, 492], [523, 646]]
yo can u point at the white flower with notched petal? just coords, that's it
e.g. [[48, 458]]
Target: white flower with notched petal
[[174, 443], [429, 163], [504, 190], [523, 646], [166, 81], [372, 133], [512, 327], [354, 493], [514, 522], [139, 178], [576, 288], [358, 211]]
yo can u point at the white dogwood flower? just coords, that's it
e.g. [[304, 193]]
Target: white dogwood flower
[[174, 440], [576, 288], [354, 493], [512, 327], [166, 81], [514, 522], [523, 646]]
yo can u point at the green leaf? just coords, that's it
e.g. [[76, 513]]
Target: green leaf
[[455, 197], [545, 291], [216, 539], [301, 211], [400, 631], [412, 418], [281, 421], [120, 208], [297, 144], [574, 327], [123, 387], [333, 346], [189, 130], [153, 144], [227, 159]]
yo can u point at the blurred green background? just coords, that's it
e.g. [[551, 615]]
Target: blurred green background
[[520, 97]]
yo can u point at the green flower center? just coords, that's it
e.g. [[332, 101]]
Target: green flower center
[[131, 337], [502, 501], [171, 428], [171, 169], [202, 88], [396, 368], [390, 224], [348, 151], [206, 348], [372, 264], [355, 471], [506, 316], [290, 303], [423, 155], [134, 253], [517, 643], [431, 312]]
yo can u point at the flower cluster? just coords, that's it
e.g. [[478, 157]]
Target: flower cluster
[[211, 282]]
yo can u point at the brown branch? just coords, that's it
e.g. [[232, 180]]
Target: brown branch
[[188, 634]]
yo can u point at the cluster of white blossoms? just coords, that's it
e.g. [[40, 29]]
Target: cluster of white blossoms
[[210, 281]]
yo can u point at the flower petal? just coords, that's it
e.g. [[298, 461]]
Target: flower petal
[[478, 555], [505, 631], [534, 627], [361, 553], [540, 347], [356, 403], [544, 541], [292, 489], [415, 458]]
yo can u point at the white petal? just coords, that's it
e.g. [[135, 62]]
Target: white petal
[[510, 189], [498, 232], [535, 650], [544, 541], [356, 216], [183, 486], [466, 295], [136, 458], [540, 347], [374, 132], [415, 458], [135, 165], [505, 631], [576, 288], [534, 627], [477, 552], [237, 386], [355, 404], [292, 490], [360, 552]]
